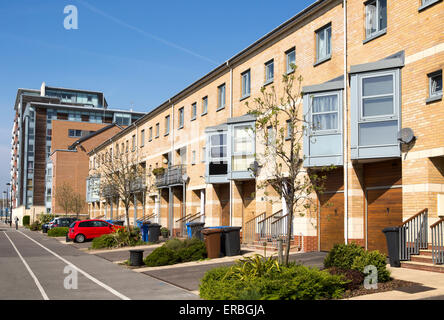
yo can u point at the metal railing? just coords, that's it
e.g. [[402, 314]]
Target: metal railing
[[251, 229], [138, 184], [265, 227], [413, 235], [279, 228], [437, 234], [185, 219], [146, 218], [172, 176]]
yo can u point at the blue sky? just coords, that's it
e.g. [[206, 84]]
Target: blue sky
[[138, 52]]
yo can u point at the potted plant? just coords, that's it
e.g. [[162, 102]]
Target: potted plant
[[158, 171], [165, 232]]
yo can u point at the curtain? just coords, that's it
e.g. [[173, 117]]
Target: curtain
[[321, 44], [371, 21], [325, 115]]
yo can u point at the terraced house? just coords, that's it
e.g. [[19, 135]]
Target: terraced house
[[372, 79]]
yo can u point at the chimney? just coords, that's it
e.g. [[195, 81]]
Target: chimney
[[42, 89]]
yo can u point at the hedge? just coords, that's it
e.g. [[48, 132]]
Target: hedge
[[58, 232], [26, 220]]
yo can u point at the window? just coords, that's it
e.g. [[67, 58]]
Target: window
[[193, 157], [218, 162], [324, 112], [290, 58], [142, 138], [375, 18], [150, 134], [204, 105], [133, 142], [181, 115], [289, 130], [157, 130], [243, 147], [269, 71], [245, 83], [323, 44], [221, 97], [122, 119], [193, 111], [73, 133], [126, 148], [377, 96], [435, 84], [427, 3], [167, 124]]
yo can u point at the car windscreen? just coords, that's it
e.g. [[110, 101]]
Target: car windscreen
[[72, 225]]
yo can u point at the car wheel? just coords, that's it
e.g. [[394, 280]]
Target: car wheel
[[80, 238]]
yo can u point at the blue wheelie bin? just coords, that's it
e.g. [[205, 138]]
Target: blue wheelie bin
[[144, 228]]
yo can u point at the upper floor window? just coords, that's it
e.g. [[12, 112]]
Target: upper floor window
[[193, 111], [290, 59], [167, 124], [289, 129], [221, 97], [122, 119], [133, 142], [377, 96], [181, 117], [157, 130], [218, 162], [204, 105], [73, 133], [142, 138], [193, 157], [150, 136], [324, 112], [269, 71], [435, 84], [245, 83], [323, 43], [243, 147], [427, 3], [375, 18]]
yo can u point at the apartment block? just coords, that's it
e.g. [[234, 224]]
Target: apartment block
[[372, 85], [47, 120]]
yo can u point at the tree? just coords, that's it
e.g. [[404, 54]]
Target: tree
[[121, 175], [281, 124], [78, 203], [63, 197]]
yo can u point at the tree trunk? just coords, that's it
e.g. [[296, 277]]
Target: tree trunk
[[127, 217], [289, 222]]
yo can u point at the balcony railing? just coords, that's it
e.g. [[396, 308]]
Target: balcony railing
[[138, 184], [171, 176]]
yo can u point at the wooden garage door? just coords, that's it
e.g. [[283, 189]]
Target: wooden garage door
[[384, 209], [331, 215]]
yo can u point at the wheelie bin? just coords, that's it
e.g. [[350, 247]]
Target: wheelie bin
[[212, 241]]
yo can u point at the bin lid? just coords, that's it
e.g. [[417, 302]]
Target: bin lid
[[228, 229], [390, 229], [207, 231], [153, 225], [195, 223]]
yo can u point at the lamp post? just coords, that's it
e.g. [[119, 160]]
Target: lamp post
[[5, 211], [8, 185]]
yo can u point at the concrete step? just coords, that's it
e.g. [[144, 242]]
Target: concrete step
[[422, 266], [422, 258], [425, 252]]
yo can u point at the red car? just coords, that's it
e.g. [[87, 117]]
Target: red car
[[79, 231]]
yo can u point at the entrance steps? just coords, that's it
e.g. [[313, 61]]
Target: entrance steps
[[423, 261]]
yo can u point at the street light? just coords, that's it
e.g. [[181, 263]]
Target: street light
[[10, 201], [6, 210]]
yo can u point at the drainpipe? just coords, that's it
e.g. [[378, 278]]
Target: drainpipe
[[231, 115], [345, 123]]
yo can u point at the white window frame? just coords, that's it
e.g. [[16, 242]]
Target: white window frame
[[327, 54], [221, 96], [378, 27], [312, 114], [246, 83], [267, 66], [287, 60]]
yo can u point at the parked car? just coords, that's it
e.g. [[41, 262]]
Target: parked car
[[79, 231], [57, 222], [47, 226]]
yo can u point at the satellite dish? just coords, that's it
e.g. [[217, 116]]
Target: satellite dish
[[406, 135]]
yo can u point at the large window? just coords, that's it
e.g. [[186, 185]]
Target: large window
[[122, 119], [377, 96], [243, 148], [323, 43], [324, 112], [218, 162], [221, 96], [375, 17], [245, 83]]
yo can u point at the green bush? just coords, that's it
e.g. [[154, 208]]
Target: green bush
[[293, 282], [35, 226], [343, 255], [376, 259], [175, 244], [26, 220], [104, 241], [45, 218], [162, 256], [58, 232], [193, 250]]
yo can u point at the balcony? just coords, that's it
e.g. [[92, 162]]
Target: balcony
[[138, 184], [109, 191], [170, 176]]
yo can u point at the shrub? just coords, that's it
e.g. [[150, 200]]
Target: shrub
[[376, 259], [293, 282], [355, 277], [58, 232], [162, 256], [342, 255], [193, 250], [45, 218], [35, 226], [174, 244], [26, 220], [104, 241], [127, 238], [253, 267]]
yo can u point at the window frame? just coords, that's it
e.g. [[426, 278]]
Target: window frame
[[287, 64], [157, 130], [327, 57], [150, 134], [167, 125], [244, 92], [142, 138], [437, 95], [314, 131], [181, 117], [266, 66], [204, 106], [379, 32], [221, 106], [361, 97], [193, 111], [250, 126], [424, 6]]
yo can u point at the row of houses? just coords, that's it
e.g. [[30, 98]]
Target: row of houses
[[371, 80]]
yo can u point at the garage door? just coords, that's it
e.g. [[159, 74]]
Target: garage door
[[384, 209], [331, 216]]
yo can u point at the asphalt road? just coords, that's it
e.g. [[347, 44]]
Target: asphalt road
[[34, 266]]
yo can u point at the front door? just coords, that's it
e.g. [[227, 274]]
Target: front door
[[331, 220]]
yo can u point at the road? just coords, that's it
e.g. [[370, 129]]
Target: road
[[36, 267]]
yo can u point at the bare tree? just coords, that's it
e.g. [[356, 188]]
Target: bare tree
[[78, 203], [63, 197], [120, 176], [281, 124]]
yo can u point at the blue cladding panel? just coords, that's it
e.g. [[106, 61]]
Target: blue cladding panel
[[378, 133], [325, 145]]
